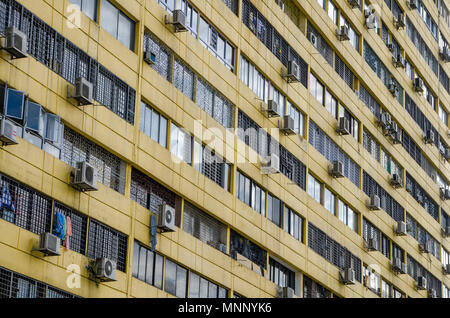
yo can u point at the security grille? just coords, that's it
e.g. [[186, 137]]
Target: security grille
[[344, 72], [105, 242], [77, 241], [388, 204], [292, 168], [368, 99], [248, 249], [443, 78], [330, 150], [66, 59], [420, 118], [265, 32], [14, 285], [32, 211], [417, 192], [369, 231], [233, 5], [214, 167], [371, 145], [163, 63], [214, 103], [322, 46], [110, 169], [332, 251], [312, 289], [415, 270], [183, 78]]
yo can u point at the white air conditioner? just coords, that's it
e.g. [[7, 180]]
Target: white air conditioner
[[393, 89], [426, 247], [372, 244], [418, 85], [8, 132], [285, 292], [385, 120], [336, 169], [313, 39], [396, 180], [347, 276], [401, 228], [343, 127], [398, 266], [82, 91], [398, 61], [445, 194], [273, 110], [372, 21], [374, 202], [446, 269], [353, 3], [178, 21], [293, 72], [105, 269], [270, 164], [396, 137], [84, 177], [342, 33], [421, 283], [16, 43], [412, 4], [166, 218], [447, 154], [287, 126], [400, 21], [49, 244], [432, 293], [444, 53], [428, 137], [149, 57]]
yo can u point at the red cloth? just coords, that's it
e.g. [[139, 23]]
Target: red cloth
[[68, 233]]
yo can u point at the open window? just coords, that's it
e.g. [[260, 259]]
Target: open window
[[14, 103]]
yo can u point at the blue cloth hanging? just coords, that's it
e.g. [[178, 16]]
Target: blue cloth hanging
[[153, 240], [6, 200], [58, 226]]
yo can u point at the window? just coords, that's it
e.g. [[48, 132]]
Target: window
[[330, 201], [248, 249], [354, 37], [183, 78], [293, 223], [200, 287], [175, 281], [281, 275], [250, 193], [216, 44], [275, 210], [163, 55], [89, 7], [397, 293], [332, 11], [203, 226], [254, 79], [103, 241], [118, 24], [348, 216], [316, 88], [312, 289], [371, 280], [331, 104], [354, 124], [279, 98], [110, 169], [181, 144], [147, 265], [443, 115], [298, 117], [77, 242], [153, 124], [371, 145], [315, 188]]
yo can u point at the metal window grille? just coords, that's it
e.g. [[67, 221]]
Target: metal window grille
[[66, 59], [14, 285], [149, 193], [312, 289], [103, 241], [292, 168], [420, 119], [79, 228], [422, 197], [214, 167], [232, 4], [415, 270], [163, 64], [248, 249], [110, 169], [32, 210], [322, 46], [443, 78]]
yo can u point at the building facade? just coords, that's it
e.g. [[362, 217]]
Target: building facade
[[348, 99]]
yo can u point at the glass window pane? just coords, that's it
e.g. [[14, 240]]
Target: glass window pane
[[15, 103], [155, 126], [181, 282], [35, 118], [142, 263], [126, 32], [194, 286], [109, 17], [170, 277], [203, 288], [158, 270], [163, 132], [149, 269]]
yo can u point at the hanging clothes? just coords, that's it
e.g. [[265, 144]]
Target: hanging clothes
[[153, 240], [58, 226], [68, 233], [6, 200]]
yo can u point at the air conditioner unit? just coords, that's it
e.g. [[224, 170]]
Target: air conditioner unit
[[313, 39], [419, 198], [445, 194], [49, 244], [398, 266], [446, 269], [281, 4], [426, 247], [166, 218], [400, 21], [342, 33], [374, 203], [421, 283], [285, 292], [372, 244], [396, 180], [372, 21], [16, 43], [432, 293], [445, 54], [178, 20], [446, 231], [401, 229], [353, 3], [8, 132], [343, 127], [82, 91], [393, 128], [272, 108], [393, 89], [223, 248], [398, 61], [105, 269], [347, 276], [84, 177], [270, 164], [149, 57], [385, 120], [287, 125], [418, 85], [447, 154], [336, 169], [412, 4], [390, 47], [293, 72], [396, 137], [428, 137]]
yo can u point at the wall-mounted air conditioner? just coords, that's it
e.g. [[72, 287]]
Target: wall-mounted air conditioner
[[374, 203], [82, 91], [336, 169], [270, 164], [16, 43], [105, 269], [396, 180], [178, 21], [8, 132], [84, 177], [342, 33], [287, 126], [347, 276], [343, 126], [401, 228], [166, 218]]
